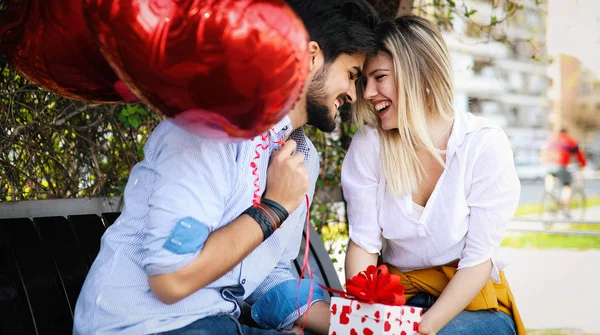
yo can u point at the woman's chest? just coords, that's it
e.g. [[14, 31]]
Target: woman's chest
[[433, 171], [445, 210]]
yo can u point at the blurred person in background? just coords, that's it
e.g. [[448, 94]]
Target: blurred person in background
[[557, 156]]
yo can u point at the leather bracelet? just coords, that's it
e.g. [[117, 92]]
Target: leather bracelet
[[281, 212], [273, 218], [265, 224]]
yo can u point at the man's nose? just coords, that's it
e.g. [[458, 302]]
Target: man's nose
[[351, 94]]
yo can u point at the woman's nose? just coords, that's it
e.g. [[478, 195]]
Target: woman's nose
[[370, 90]]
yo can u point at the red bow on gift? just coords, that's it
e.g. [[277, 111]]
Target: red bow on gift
[[375, 285]]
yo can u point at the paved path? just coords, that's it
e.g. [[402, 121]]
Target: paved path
[[556, 289]]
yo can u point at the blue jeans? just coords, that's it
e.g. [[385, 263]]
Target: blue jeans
[[223, 325], [469, 322]]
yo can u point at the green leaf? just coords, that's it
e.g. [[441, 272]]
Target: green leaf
[[468, 13], [494, 20], [127, 111], [123, 118], [134, 121]]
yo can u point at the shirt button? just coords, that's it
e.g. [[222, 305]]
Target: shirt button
[[243, 281], [98, 299]]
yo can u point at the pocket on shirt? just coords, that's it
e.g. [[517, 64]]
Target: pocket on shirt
[[187, 236]]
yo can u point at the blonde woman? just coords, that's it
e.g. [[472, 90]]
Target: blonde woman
[[430, 189]]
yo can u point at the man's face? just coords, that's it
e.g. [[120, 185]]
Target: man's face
[[332, 85]]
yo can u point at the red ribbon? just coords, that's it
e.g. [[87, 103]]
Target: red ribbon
[[374, 286], [256, 199]]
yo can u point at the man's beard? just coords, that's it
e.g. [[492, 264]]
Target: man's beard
[[316, 103]]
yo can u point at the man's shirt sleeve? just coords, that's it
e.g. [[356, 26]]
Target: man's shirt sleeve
[[191, 180]]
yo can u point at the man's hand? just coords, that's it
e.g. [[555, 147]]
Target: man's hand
[[294, 330], [287, 177]]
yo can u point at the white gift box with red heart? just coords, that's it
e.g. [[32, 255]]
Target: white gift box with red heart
[[351, 317]]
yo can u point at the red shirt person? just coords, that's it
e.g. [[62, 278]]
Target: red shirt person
[[563, 147]]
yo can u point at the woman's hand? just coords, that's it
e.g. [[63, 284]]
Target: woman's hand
[[462, 289], [427, 327]]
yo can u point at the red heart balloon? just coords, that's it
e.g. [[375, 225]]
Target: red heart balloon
[[226, 69], [50, 44]]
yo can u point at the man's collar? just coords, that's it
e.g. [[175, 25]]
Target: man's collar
[[283, 128]]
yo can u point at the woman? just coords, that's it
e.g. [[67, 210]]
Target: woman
[[428, 188]]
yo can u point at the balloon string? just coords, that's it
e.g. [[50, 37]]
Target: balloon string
[[306, 266], [264, 145]]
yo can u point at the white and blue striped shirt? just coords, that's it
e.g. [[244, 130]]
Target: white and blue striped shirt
[[187, 182]]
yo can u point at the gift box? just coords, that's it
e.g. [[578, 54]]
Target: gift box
[[351, 317], [373, 304]]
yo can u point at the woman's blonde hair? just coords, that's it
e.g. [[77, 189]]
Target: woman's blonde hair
[[423, 76]]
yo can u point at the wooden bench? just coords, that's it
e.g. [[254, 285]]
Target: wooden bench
[[47, 249]]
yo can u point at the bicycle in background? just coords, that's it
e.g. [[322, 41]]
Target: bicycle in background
[[551, 199]]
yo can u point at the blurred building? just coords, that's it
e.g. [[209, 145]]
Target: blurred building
[[501, 72]]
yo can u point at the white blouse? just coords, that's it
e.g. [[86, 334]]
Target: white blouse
[[465, 218]]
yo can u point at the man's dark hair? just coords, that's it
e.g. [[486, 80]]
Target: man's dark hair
[[339, 26]]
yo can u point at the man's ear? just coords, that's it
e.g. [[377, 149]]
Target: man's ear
[[316, 56]]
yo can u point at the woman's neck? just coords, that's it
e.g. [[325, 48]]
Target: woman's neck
[[439, 132]]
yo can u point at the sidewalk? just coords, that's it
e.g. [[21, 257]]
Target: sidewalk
[[555, 289]]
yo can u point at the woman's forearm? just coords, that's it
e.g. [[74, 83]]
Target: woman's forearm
[[357, 260], [462, 289]]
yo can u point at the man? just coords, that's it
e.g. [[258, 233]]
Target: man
[[558, 154], [188, 252]]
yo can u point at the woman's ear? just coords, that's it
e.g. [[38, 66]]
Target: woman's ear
[[316, 56]]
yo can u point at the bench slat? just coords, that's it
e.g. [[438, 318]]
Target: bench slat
[[58, 239], [328, 272], [45, 293], [110, 218], [15, 315], [320, 263], [88, 231]]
